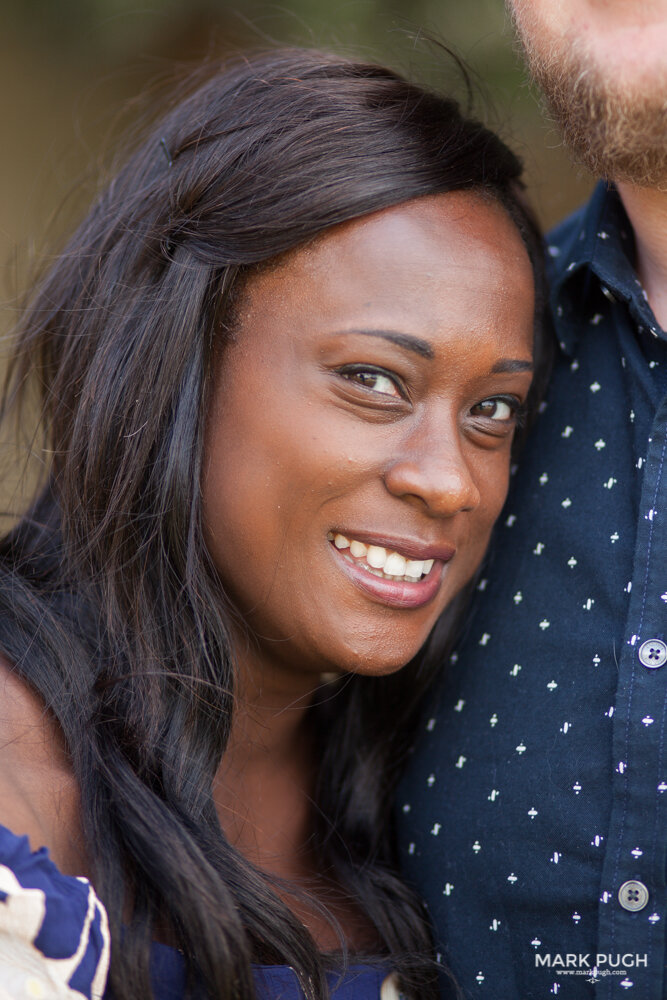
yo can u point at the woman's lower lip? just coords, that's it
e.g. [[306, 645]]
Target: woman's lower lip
[[393, 593]]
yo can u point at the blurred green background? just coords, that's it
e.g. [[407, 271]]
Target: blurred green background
[[68, 66], [69, 70]]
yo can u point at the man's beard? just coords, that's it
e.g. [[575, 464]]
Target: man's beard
[[616, 135]]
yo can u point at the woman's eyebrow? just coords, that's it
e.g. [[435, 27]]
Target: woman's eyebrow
[[512, 365], [405, 340], [424, 349]]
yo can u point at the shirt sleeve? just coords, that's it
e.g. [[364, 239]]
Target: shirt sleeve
[[54, 933]]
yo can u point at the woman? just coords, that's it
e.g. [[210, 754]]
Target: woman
[[281, 364]]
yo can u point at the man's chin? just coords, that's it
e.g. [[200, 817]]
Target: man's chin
[[615, 127], [611, 135]]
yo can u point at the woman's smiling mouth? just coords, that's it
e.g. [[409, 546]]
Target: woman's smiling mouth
[[393, 576]]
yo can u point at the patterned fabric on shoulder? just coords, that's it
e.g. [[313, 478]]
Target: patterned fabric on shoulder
[[54, 934]]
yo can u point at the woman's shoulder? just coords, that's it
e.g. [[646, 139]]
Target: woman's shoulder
[[38, 792], [54, 938], [27, 732]]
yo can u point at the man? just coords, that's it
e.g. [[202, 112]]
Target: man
[[533, 817]]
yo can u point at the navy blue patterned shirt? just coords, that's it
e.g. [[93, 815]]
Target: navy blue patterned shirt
[[533, 817]]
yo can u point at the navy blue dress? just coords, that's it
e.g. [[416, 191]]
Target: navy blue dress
[[55, 942]]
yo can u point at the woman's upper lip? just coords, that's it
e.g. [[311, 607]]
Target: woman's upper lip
[[413, 548]]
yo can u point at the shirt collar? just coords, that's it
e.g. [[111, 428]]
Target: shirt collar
[[591, 252]]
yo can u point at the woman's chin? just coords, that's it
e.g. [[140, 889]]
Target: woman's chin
[[374, 661]]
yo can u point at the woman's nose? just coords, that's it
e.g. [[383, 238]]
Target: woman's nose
[[439, 478]]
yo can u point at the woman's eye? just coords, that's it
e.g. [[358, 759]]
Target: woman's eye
[[496, 408], [377, 381]]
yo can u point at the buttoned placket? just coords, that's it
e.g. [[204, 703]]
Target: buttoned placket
[[538, 785], [633, 892]]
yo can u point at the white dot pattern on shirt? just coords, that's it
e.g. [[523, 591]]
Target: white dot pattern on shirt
[[610, 475]]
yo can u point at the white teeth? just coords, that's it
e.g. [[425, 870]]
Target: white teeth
[[382, 562], [414, 567], [376, 557], [395, 565]]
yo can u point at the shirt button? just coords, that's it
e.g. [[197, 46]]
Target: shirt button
[[653, 653], [633, 895]]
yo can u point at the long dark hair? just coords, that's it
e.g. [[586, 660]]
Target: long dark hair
[[109, 605]]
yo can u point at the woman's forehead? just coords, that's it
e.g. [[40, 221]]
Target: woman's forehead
[[458, 239], [449, 271]]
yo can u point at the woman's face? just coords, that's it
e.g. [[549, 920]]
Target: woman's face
[[358, 441]]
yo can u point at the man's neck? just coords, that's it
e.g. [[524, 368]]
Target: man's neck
[[647, 211]]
